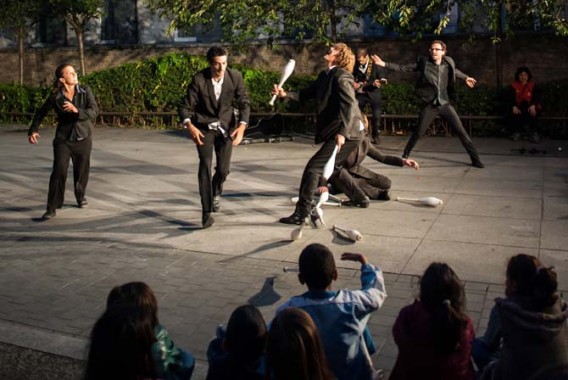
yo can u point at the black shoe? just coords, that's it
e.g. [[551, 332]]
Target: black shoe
[[477, 164], [83, 203], [293, 219], [216, 203], [384, 196], [363, 203], [405, 155], [207, 220], [376, 139], [48, 214]]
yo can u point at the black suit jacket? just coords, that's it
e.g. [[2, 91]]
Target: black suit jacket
[[68, 122], [354, 160], [202, 108], [338, 111]]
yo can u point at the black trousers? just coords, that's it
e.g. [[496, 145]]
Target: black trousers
[[80, 154], [364, 99], [447, 112], [314, 170], [356, 187], [524, 122], [212, 185]]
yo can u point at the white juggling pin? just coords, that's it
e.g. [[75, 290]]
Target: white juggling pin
[[427, 201], [351, 234], [287, 70]]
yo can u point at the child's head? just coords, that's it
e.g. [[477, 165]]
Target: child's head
[[120, 346], [440, 284], [294, 349], [528, 278], [442, 295], [135, 293], [246, 334], [317, 267]]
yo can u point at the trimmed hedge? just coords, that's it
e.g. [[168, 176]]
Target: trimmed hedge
[[158, 84]]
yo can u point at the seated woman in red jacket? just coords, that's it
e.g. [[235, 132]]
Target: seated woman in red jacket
[[434, 335], [525, 106]]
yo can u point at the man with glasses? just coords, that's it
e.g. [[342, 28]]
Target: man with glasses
[[338, 123], [436, 89]]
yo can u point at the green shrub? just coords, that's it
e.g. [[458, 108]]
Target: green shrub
[[158, 85]]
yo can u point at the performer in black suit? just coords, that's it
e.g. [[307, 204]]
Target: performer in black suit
[[436, 89], [76, 110], [338, 122], [369, 78], [358, 182], [208, 113]]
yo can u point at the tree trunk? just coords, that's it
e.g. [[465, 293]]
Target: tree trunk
[[79, 33], [21, 40]]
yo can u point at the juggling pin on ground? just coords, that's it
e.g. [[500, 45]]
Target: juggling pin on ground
[[353, 235], [427, 201], [296, 233]]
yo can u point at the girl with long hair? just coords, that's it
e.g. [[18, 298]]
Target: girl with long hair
[[434, 335]]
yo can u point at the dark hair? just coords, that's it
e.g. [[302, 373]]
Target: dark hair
[[294, 349], [442, 294], [362, 52], [520, 70], [317, 266], [442, 43], [529, 279], [120, 347], [138, 294], [57, 85], [215, 51], [246, 334]]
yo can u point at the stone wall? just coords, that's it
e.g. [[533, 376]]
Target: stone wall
[[545, 55]]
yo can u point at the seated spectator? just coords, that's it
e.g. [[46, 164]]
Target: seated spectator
[[532, 321], [340, 316], [434, 335], [360, 184], [121, 345], [236, 353], [294, 349], [170, 362], [525, 106]]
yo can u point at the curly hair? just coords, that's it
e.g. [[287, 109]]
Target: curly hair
[[345, 57]]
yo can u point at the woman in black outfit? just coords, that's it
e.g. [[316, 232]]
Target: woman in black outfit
[[76, 110]]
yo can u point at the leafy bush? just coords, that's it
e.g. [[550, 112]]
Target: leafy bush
[[158, 85]]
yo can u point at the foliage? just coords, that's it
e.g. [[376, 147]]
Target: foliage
[[158, 85], [77, 13], [432, 16], [245, 20]]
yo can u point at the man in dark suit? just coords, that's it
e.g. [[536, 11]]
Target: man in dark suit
[[369, 78], [436, 89], [338, 123], [360, 183], [208, 113]]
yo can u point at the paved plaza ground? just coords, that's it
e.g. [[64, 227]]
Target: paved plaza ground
[[143, 224]]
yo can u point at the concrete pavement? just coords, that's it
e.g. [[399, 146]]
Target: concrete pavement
[[143, 224]]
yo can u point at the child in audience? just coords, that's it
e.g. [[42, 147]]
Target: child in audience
[[236, 355], [532, 323], [121, 345], [170, 361], [434, 335], [294, 349], [340, 316]]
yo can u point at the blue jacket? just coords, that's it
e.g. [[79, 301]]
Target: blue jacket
[[341, 317]]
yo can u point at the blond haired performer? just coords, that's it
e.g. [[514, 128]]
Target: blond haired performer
[[338, 122]]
